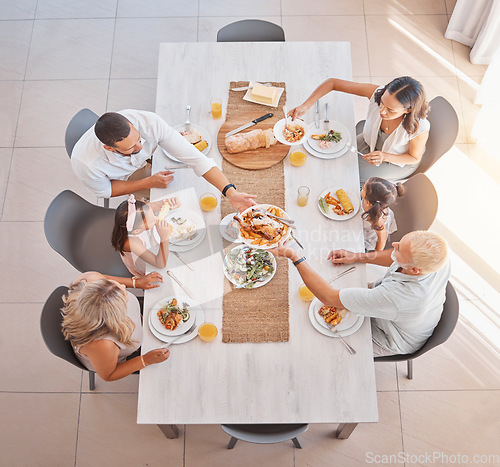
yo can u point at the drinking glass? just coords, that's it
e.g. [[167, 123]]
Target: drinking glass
[[298, 158], [207, 332], [216, 107], [303, 195], [208, 202], [305, 294]]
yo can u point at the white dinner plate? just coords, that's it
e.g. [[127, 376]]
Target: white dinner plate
[[347, 322], [192, 216], [199, 320], [353, 196], [228, 264], [223, 226], [279, 91], [279, 126], [334, 155], [182, 327], [335, 147], [326, 331], [248, 241], [205, 135]]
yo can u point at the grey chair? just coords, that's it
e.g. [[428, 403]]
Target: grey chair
[[442, 134], [251, 30], [81, 233], [50, 326], [417, 209], [265, 434], [441, 333]]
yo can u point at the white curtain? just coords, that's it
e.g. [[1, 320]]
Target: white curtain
[[476, 23]]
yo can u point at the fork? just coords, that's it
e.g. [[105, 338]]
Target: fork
[[335, 331], [187, 123], [326, 122], [168, 344]]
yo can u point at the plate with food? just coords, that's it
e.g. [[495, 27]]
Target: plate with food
[[296, 131], [330, 315], [260, 230], [173, 316], [329, 141], [263, 94], [347, 325], [186, 227], [339, 203], [230, 229], [322, 155], [197, 136], [248, 267]]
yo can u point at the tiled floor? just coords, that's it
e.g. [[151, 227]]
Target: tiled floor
[[59, 56]]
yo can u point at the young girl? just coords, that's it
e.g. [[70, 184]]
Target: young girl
[[378, 219], [133, 234]]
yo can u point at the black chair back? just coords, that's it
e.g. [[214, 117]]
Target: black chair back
[[77, 126], [251, 30]]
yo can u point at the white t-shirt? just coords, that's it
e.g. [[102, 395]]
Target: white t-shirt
[[404, 309], [96, 167]]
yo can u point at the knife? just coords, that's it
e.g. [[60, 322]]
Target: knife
[[249, 124], [180, 257], [187, 123], [171, 274], [316, 116]]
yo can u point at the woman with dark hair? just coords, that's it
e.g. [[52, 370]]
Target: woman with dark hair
[[395, 131]]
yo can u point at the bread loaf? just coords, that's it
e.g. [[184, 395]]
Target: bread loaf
[[254, 139]]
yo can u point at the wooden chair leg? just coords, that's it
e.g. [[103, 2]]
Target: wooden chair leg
[[409, 366], [296, 443], [232, 442], [92, 380]]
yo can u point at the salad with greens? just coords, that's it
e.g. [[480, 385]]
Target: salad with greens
[[247, 267]]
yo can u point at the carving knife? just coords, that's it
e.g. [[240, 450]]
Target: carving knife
[[249, 124]]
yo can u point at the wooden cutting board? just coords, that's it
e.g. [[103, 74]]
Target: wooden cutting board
[[257, 159]]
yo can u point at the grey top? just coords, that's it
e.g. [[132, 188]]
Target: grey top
[[405, 309], [381, 139]]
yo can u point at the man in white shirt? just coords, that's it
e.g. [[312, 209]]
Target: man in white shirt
[[406, 305], [120, 143]]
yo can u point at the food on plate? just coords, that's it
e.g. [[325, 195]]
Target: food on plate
[[195, 139], [263, 94], [260, 229], [345, 201], [163, 211], [181, 228], [326, 140], [249, 265], [171, 314], [250, 140], [232, 230], [331, 315], [293, 133], [324, 205]]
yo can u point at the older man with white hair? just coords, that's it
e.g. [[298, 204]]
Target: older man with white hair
[[406, 305]]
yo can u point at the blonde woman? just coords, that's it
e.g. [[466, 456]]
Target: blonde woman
[[103, 323]]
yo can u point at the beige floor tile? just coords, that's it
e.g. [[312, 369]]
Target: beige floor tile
[[136, 44], [38, 429], [108, 434], [368, 440], [468, 88], [15, 46], [385, 376], [132, 94], [29, 257], [70, 49], [390, 40], [130, 384], [17, 10], [11, 100], [32, 185], [88, 9], [5, 159], [320, 7], [461, 54], [206, 445], [332, 28], [40, 371], [48, 106], [156, 8], [208, 26], [405, 7], [450, 423], [231, 8], [450, 5]]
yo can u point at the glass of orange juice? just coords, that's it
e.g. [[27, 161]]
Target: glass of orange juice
[[207, 332], [216, 107], [208, 202], [298, 158], [305, 294], [303, 195]]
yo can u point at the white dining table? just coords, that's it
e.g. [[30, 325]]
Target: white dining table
[[311, 378]]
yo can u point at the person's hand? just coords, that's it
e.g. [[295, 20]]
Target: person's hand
[[156, 356], [298, 111], [149, 281], [285, 251], [161, 179], [239, 200], [163, 230], [340, 257], [374, 158], [173, 202]]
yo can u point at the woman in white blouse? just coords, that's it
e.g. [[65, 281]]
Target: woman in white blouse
[[395, 131]]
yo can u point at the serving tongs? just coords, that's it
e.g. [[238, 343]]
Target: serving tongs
[[288, 222]]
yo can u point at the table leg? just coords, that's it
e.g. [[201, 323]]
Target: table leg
[[344, 430], [170, 431]]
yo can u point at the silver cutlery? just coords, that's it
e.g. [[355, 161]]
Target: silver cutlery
[[246, 88], [353, 149], [182, 260], [316, 116], [183, 287], [187, 123], [189, 331], [335, 331], [326, 122], [347, 271], [288, 222], [293, 236], [249, 124], [286, 118], [177, 167], [242, 286]]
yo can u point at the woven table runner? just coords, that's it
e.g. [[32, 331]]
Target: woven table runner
[[261, 314]]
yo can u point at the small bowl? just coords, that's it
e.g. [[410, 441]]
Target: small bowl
[[280, 126]]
